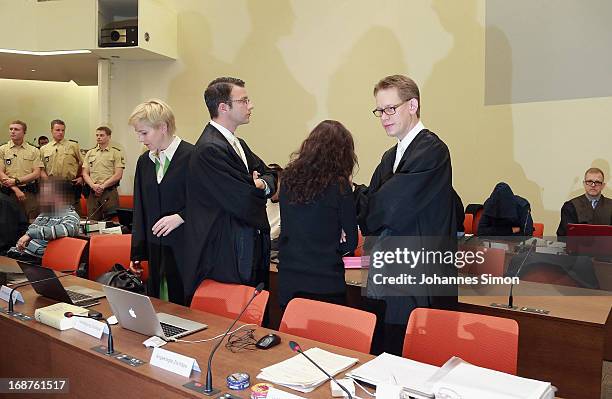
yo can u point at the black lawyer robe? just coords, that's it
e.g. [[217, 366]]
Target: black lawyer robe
[[415, 201], [225, 213], [153, 201]]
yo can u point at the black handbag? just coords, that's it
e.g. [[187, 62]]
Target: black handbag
[[119, 277]]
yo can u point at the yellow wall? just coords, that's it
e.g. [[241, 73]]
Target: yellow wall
[[38, 103], [305, 61]]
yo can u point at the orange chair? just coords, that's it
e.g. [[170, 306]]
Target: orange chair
[[468, 223], [64, 254], [477, 217], [332, 324], [126, 201], [107, 249], [538, 230], [360, 242], [83, 202], [433, 336], [228, 300]]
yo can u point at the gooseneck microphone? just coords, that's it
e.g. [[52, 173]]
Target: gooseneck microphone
[[518, 272], [93, 213], [110, 349], [208, 388], [11, 308], [296, 348]]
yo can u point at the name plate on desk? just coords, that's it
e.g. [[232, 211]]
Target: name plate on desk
[[92, 327], [174, 362], [5, 293]]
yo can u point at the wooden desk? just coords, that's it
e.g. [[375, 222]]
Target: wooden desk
[[32, 349], [566, 347]]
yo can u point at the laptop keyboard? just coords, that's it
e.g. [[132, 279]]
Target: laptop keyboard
[[171, 331], [78, 297]]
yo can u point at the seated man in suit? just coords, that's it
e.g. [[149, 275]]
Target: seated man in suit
[[591, 207]]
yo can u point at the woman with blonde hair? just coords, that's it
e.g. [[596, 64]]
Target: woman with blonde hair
[[159, 200]]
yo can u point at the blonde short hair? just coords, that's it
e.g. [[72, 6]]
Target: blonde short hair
[[154, 113]]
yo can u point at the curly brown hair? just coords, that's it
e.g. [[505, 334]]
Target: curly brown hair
[[326, 156]]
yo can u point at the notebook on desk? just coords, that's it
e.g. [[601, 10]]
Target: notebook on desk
[[135, 312]]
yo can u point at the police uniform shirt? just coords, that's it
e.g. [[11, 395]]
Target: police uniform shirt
[[19, 160], [102, 163], [61, 159]]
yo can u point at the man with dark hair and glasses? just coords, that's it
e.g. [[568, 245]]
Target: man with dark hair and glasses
[[410, 194], [227, 230], [590, 208]]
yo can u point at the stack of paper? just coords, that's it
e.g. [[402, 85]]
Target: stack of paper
[[464, 380], [456, 379], [299, 374], [411, 375]]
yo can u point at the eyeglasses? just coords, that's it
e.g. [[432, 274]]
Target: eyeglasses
[[245, 100], [391, 110], [593, 183]]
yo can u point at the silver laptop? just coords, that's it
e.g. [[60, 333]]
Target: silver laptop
[[135, 312]]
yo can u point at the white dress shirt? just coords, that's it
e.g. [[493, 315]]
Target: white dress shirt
[[403, 144], [164, 156]]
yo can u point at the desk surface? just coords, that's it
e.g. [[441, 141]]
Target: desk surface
[[72, 344]]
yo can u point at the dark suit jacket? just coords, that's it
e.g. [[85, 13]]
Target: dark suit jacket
[[225, 211], [151, 202], [310, 252], [602, 214], [416, 201]]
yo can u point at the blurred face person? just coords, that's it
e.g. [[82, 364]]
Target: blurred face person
[[398, 116], [58, 131], [594, 183], [17, 132], [42, 141], [52, 197], [154, 138], [102, 138]]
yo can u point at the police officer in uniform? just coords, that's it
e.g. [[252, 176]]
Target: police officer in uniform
[[20, 169], [62, 158], [102, 170]]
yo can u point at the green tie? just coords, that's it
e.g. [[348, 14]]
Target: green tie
[[161, 167]]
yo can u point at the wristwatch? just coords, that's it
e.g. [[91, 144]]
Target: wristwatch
[[17, 181]]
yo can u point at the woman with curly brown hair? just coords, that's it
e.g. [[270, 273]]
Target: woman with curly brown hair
[[318, 219]]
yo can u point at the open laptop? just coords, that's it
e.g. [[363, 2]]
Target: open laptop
[[54, 289], [135, 312], [589, 239]]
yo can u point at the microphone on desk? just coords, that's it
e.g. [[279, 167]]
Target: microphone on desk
[[296, 348], [526, 220], [14, 287], [93, 213], [510, 304], [208, 388], [110, 349]]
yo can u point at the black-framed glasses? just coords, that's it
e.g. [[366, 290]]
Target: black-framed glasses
[[593, 183], [245, 101], [391, 110]]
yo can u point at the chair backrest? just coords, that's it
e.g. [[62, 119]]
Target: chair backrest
[[477, 217], [360, 242], [83, 202], [228, 300], [538, 230], [126, 201], [107, 249], [468, 223], [433, 336], [332, 324], [64, 254]]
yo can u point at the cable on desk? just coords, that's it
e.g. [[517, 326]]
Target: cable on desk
[[210, 339]]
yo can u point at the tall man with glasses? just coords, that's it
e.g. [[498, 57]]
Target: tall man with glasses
[[591, 207], [227, 230], [410, 194]]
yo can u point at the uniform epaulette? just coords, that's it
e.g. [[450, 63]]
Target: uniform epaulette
[[74, 141], [118, 149]]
